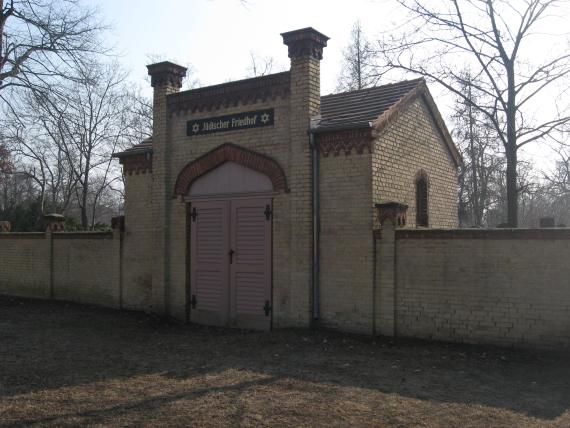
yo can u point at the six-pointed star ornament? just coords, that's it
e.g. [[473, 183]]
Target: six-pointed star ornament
[[265, 117], [195, 128]]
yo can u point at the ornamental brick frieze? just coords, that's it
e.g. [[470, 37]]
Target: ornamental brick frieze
[[137, 163], [358, 141], [232, 94]]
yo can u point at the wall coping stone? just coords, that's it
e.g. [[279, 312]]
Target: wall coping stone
[[550, 233]]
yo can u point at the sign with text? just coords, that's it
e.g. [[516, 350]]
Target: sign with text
[[232, 122]]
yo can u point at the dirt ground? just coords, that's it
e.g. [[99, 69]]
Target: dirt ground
[[67, 365]]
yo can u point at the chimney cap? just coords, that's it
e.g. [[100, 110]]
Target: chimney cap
[[305, 42], [166, 73]]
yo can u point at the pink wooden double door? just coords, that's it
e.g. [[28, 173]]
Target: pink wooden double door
[[230, 263]]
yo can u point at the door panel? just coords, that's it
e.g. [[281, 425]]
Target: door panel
[[250, 271], [209, 263], [230, 263]]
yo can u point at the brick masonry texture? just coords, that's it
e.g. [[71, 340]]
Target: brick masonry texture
[[346, 246], [80, 267], [504, 291], [25, 265], [413, 143], [137, 245]]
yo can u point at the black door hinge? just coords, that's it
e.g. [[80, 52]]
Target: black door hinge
[[267, 212], [267, 308], [193, 301], [194, 214]]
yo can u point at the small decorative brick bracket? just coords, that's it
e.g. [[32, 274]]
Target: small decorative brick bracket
[[5, 227], [394, 212], [54, 222], [230, 153], [391, 215]]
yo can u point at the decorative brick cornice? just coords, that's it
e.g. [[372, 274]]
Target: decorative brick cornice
[[166, 74], [248, 91], [306, 42], [230, 153], [138, 163], [359, 140]]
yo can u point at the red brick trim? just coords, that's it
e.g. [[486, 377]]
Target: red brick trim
[[230, 153], [231, 94], [561, 233], [359, 140], [139, 163]]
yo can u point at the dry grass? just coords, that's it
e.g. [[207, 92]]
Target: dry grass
[[68, 365]]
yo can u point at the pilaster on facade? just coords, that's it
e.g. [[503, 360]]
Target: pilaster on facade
[[166, 78], [305, 51]]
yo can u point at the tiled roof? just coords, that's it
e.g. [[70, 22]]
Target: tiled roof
[[144, 147], [357, 109]]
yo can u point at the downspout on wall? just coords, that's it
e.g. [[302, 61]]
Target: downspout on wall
[[316, 226]]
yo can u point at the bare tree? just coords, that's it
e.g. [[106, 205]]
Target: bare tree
[[43, 39], [42, 159], [260, 65], [5, 161], [69, 137], [358, 62], [493, 37], [483, 165]]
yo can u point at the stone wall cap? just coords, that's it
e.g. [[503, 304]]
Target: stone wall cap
[[304, 34], [166, 66]]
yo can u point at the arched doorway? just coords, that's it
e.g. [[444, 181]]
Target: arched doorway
[[230, 248]]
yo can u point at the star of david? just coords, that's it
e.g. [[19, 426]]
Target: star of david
[[265, 118], [195, 128]]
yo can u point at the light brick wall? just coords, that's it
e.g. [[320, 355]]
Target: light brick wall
[[25, 264], [503, 290], [86, 268], [346, 242], [138, 242], [79, 267], [412, 143]]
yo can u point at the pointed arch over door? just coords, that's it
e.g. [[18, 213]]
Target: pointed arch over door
[[230, 153]]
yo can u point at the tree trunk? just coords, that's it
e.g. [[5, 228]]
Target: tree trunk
[[511, 151], [512, 190]]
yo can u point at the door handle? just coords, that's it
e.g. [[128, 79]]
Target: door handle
[[231, 254]]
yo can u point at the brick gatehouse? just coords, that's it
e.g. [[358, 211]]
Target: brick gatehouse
[[255, 202]]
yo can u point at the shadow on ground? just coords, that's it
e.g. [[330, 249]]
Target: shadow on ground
[[68, 364]]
